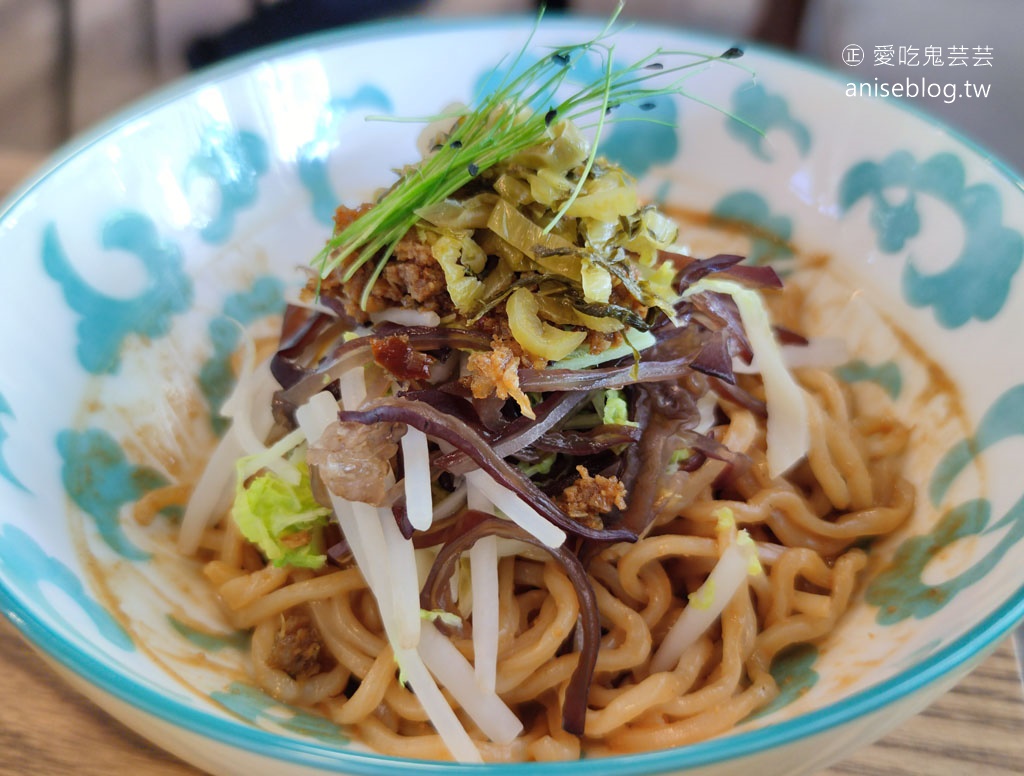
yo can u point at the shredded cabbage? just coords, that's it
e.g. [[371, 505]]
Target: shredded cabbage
[[616, 410], [788, 432], [280, 518], [543, 466], [678, 456], [636, 342]]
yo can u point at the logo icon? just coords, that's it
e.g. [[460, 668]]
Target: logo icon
[[853, 55]]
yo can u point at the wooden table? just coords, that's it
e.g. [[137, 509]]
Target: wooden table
[[47, 728], [15, 165]]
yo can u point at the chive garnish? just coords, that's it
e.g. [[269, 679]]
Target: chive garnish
[[501, 125]]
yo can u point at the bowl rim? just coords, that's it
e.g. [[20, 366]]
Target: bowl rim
[[103, 675]]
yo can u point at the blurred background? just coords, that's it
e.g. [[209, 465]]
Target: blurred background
[[65, 64]]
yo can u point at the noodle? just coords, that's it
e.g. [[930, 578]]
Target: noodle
[[640, 589], [147, 507]]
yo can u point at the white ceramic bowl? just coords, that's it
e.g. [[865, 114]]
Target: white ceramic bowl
[[122, 265]]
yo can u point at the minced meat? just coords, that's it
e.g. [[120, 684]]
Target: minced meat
[[297, 646], [495, 323], [412, 278]]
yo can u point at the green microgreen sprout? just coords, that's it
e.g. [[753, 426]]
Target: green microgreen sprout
[[501, 125]]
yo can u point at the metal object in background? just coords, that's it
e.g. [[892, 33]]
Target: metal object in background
[[64, 64], [275, 22]]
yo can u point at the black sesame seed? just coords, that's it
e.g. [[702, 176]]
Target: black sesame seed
[[456, 144], [647, 105], [561, 58], [472, 169], [734, 52], [550, 116], [654, 66]]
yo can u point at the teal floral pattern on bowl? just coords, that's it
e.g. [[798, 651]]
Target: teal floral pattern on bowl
[[314, 156], [106, 320], [33, 570], [101, 481], [793, 671], [754, 112], [5, 469], [233, 162], [976, 285], [886, 374], [216, 378], [255, 705], [900, 591], [771, 232]]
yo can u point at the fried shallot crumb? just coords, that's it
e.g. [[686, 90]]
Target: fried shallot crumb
[[590, 497], [496, 372]]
